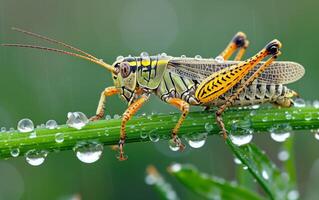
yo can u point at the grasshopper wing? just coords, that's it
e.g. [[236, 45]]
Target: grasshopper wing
[[279, 72]]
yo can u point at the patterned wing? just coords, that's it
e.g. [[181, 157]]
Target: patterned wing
[[279, 72]]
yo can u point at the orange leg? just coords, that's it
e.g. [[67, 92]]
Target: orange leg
[[239, 41], [183, 106], [109, 91], [130, 111], [272, 49]]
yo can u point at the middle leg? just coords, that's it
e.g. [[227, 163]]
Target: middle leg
[[183, 106]]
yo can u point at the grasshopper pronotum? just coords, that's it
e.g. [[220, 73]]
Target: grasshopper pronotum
[[182, 81]]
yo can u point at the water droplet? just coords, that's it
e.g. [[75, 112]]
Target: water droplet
[[241, 133], [88, 152], [237, 161], [288, 115], [219, 59], [3, 129], [150, 179], [173, 145], [252, 113], [59, 137], [163, 54], [317, 134], [283, 155], [183, 56], [176, 167], [308, 116], [245, 167], [25, 125], [293, 195], [197, 141], [240, 140], [108, 117], [264, 119], [143, 135], [280, 132], [255, 106], [265, 175], [77, 120], [36, 157], [120, 58], [154, 137], [280, 137], [116, 116], [299, 103], [198, 57], [315, 103], [33, 135], [144, 55], [51, 124], [208, 127], [11, 129], [15, 152]]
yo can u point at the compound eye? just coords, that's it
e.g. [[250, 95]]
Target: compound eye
[[125, 69]]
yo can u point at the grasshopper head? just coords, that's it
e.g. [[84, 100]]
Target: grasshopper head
[[124, 77]]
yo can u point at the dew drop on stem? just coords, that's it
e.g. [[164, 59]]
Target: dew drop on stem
[[25, 125]]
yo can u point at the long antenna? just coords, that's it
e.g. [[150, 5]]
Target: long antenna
[[52, 41], [99, 62]]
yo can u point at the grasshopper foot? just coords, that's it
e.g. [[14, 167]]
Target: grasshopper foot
[[121, 156]]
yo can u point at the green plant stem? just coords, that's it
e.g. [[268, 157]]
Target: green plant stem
[[107, 131]]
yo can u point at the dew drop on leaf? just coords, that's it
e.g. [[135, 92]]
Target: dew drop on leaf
[[176, 167], [77, 120], [208, 127], [293, 195], [154, 137], [51, 124], [88, 152], [25, 125], [299, 103], [36, 157], [265, 175], [33, 135], [108, 117], [59, 137], [219, 59], [240, 140], [237, 161], [143, 134], [15, 152], [198, 57], [173, 145], [315, 103], [197, 141], [283, 155], [280, 132]]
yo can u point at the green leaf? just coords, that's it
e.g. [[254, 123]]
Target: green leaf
[[208, 186], [271, 179], [162, 188]]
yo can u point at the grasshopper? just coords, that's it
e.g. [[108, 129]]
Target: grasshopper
[[183, 81]]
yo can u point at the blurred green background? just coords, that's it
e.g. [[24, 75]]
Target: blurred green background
[[42, 86]]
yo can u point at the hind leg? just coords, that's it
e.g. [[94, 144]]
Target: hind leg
[[240, 42], [273, 50]]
